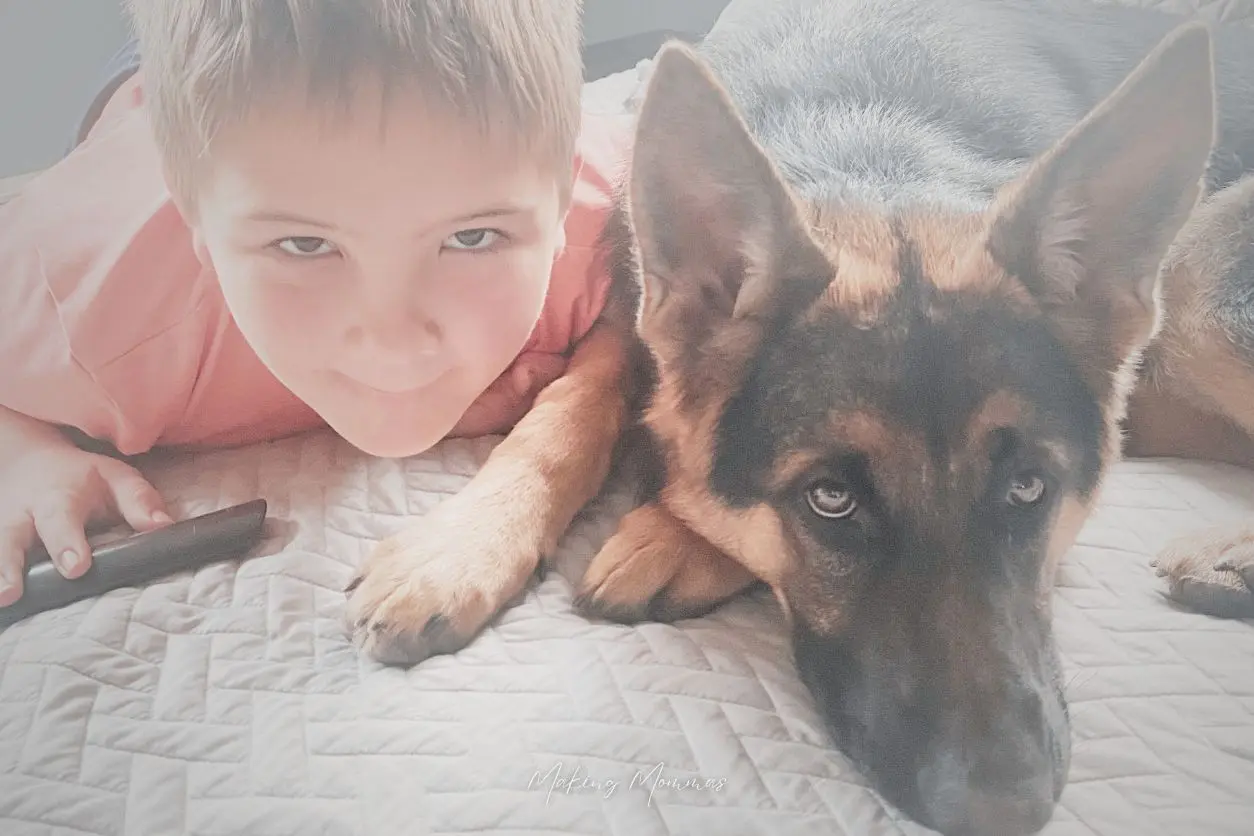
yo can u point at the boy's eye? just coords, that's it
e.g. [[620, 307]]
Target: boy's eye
[[306, 246], [472, 239]]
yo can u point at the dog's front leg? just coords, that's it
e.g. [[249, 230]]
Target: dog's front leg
[[434, 586], [657, 568]]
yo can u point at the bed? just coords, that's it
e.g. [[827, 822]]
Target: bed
[[229, 701]]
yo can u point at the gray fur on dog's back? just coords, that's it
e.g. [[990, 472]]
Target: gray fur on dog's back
[[938, 102]]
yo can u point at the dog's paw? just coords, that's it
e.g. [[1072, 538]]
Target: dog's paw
[[654, 568], [431, 588], [1211, 572]]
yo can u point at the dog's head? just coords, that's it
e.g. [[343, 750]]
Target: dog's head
[[900, 422]]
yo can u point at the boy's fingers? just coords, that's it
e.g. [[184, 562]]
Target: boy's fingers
[[15, 539], [136, 500], [60, 528]]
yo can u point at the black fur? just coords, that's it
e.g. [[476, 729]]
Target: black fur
[[784, 396], [910, 107]]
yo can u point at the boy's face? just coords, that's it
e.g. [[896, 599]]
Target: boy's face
[[386, 267]]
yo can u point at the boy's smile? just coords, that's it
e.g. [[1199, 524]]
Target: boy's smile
[[386, 262]]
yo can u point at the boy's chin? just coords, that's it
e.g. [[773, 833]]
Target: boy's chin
[[392, 450], [376, 437]]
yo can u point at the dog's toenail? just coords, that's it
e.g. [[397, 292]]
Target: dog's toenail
[[352, 585], [435, 627]]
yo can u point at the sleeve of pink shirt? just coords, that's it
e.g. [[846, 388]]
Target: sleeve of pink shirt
[[94, 264]]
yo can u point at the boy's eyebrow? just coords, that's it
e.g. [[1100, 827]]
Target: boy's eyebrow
[[497, 211], [284, 218], [291, 218]]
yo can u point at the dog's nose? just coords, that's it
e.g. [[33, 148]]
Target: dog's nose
[[984, 814], [1012, 792]]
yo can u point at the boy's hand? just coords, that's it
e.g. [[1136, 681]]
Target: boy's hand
[[50, 493]]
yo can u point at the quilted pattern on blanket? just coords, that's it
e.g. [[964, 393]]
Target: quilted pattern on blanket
[[229, 701]]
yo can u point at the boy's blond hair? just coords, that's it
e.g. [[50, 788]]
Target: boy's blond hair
[[514, 67]]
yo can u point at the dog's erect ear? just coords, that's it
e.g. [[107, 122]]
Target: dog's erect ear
[[1088, 225], [713, 219]]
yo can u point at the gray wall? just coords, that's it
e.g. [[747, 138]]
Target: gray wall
[[52, 51], [51, 54]]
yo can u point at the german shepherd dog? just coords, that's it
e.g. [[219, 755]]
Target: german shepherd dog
[[905, 271]]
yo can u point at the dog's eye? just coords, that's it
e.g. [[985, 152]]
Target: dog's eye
[[1026, 490], [831, 500]]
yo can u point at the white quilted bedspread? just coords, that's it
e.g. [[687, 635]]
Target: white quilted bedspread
[[229, 702]]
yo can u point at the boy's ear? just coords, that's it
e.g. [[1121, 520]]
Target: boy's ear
[[560, 244], [198, 237], [202, 251], [1087, 227], [191, 219], [715, 223]]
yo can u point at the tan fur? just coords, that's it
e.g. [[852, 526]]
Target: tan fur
[[955, 259], [754, 537], [751, 537], [863, 248], [1163, 425], [1211, 572], [1000, 409], [1195, 399], [433, 587], [631, 570], [1071, 516], [862, 430], [957, 254], [656, 566], [1193, 359]]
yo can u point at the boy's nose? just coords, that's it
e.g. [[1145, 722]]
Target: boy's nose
[[403, 331]]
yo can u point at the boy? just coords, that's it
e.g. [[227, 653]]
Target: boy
[[371, 215]]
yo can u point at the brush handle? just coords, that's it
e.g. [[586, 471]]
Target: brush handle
[[140, 558]]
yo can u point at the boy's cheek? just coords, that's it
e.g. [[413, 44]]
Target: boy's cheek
[[278, 311], [275, 317], [278, 319]]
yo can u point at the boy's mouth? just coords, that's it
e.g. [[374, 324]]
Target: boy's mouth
[[398, 388]]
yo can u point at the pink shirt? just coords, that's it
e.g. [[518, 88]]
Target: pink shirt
[[112, 326]]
